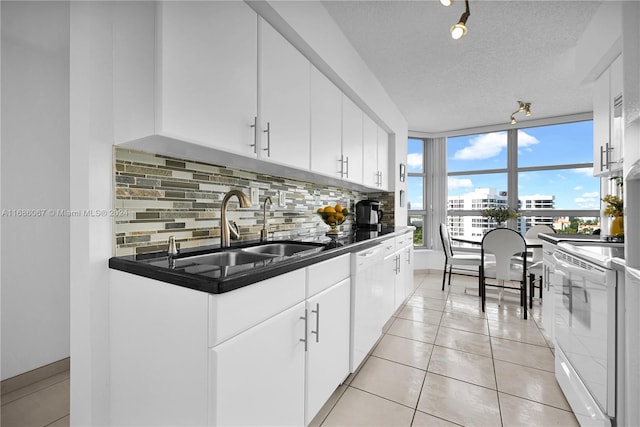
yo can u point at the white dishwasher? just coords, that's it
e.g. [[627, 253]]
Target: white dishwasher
[[367, 302]]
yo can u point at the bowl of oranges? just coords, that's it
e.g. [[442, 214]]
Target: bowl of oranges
[[333, 216]]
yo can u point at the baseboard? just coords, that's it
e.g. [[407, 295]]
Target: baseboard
[[38, 374]]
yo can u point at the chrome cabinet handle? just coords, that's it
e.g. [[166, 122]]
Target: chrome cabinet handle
[[317, 331], [408, 255], [347, 162], [341, 161], [255, 134], [268, 132], [304, 340]]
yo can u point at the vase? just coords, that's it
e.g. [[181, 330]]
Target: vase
[[617, 226]]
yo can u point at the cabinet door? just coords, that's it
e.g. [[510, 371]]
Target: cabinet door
[[326, 122], [601, 139], [370, 176], [257, 377], [134, 37], [390, 265], [386, 179], [284, 100], [328, 350], [406, 262], [208, 73], [616, 125], [351, 140]]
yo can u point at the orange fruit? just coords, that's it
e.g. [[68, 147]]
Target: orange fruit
[[345, 211], [339, 217], [320, 210], [338, 207], [329, 209], [330, 219]]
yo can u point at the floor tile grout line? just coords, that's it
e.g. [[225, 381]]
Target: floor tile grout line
[[55, 421], [534, 401], [382, 397]]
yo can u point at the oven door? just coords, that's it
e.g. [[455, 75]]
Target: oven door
[[585, 326]]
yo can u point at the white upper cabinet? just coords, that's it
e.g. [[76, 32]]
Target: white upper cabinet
[[383, 158], [133, 70], [208, 73], [351, 141], [607, 121], [375, 155], [326, 121], [370, 172], [284, 100]]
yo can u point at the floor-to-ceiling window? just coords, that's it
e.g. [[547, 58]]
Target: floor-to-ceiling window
[[416, 188], [545, 173]]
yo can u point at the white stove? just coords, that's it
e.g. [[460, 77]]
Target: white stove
[[586, 327]]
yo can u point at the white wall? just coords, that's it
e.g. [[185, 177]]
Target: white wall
[[35, 175]]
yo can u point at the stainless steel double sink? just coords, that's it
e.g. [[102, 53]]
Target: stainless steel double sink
[[266, 252]]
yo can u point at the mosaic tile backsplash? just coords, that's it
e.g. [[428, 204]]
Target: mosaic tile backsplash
[[161, 196]]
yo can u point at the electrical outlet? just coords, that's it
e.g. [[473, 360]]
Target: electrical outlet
[[282, 198], [254, 196]]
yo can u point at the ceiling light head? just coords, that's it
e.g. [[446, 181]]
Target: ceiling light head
[[447, 2], [460, 29], [522, 106]]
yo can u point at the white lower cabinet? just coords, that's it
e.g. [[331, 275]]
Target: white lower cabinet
[[257, 377], [328, 345], [270, 353], [398, 271]]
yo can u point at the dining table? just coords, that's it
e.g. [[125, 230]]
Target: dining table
[[530, 242]]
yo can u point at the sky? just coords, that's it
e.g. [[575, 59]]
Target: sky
[[569, 143]]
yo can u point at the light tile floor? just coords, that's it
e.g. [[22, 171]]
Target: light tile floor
[[443, 362]]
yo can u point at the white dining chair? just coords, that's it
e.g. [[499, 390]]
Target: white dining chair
[[452, 259], [503, 244]]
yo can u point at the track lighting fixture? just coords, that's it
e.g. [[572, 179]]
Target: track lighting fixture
[[522, 106], [447, 2], [460, 29]]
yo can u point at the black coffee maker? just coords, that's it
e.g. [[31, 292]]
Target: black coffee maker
[[369, 215]]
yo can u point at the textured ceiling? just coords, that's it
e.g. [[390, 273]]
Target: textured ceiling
[[514, 50]]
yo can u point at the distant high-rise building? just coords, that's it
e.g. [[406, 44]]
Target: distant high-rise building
[[483, 198]]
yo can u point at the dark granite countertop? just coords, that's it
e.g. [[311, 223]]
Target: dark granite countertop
[[219, 280], [560, 237]]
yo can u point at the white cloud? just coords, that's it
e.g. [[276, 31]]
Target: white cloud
[[525, 140], [578, 188], [483, 147], [584, 171], [414, 160], [454, 182], [589, 200]]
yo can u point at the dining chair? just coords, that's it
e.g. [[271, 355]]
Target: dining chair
[[451, 259], [534, 264], [503, 244]]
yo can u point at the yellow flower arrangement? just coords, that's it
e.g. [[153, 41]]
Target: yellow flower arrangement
[[614, 205]]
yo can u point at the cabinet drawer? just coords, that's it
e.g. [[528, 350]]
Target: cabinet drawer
[[389, 246], [324, 274], [233, 312]]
